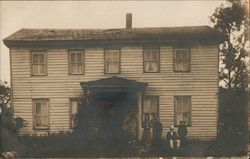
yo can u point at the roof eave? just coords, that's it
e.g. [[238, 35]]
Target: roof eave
[[109, 42]]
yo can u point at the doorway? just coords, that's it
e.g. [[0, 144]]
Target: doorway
[[111, 116]]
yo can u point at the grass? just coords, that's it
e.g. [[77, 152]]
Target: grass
[[73, 145]]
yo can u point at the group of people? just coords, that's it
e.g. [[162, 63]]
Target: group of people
[[174, 140]]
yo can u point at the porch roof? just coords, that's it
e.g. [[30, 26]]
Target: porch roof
[[114, 83]]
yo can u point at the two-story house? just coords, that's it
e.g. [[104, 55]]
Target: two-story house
[[170, 72]]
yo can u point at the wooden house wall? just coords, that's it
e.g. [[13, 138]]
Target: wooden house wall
[[201, 83]]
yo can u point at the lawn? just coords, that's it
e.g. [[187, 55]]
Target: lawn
[[73, 145]]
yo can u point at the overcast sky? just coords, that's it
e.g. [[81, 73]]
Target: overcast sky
[[97, 14]]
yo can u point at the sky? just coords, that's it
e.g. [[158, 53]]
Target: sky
[[15, 15]]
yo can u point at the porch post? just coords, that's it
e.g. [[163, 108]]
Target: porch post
[[139, 108]]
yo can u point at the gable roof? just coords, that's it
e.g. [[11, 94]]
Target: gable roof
[[86, 35]]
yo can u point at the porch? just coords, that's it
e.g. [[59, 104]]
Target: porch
[[112, 109]]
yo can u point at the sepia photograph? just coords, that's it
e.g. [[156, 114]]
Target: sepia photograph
[[125, 79]]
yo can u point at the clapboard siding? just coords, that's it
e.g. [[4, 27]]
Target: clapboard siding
[[201, 83]]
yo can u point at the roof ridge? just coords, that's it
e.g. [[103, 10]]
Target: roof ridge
[[192, 26]]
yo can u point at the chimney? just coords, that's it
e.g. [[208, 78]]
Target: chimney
[[128, 20]]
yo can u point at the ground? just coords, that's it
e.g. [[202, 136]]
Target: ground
[[65, 145]]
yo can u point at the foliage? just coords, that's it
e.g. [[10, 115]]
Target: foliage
[[232, 20], [4, 94], [6, 110]]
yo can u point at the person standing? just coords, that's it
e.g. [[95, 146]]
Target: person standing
[[182, 132], [172, 139], [146, 137], [157, 130]]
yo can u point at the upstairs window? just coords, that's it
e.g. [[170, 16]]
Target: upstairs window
[[181, 60], [41, 113], [76, 62], [112, 61], [38, 63], [183, 110], [151, 60]]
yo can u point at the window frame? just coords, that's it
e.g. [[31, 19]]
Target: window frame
[[158, 60], [190, 110], [41, 100], [70, 51], [44, 52], [119, 60], [78, 100], [188, 59], [142, 110]]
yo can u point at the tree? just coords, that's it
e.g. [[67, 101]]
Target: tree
[[5, 109], [4, 96], [232, 20]]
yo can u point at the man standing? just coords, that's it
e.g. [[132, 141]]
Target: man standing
[[173, 139]]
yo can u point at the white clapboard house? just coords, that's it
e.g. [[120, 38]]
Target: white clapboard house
[[171, 72]]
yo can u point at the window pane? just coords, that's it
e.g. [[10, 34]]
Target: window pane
[[181, 54], [38, 108], [178, 66], [148, 55], [35, 69], [184, 54], [185, 65], [79, 68], [112, 56], [73, 57], [181, 65], [178, 118], [79, 58], [73, 68], [182, 110], [151, 66], [150, 105], [41, 121], [41, 59], [35, 58], [179, 105], [43, 69], [38, 69], [146, 106], [155, 55], [112, 68], [41, 108], [74, 107]]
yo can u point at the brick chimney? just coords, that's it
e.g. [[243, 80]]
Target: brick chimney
[[128, 20]]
